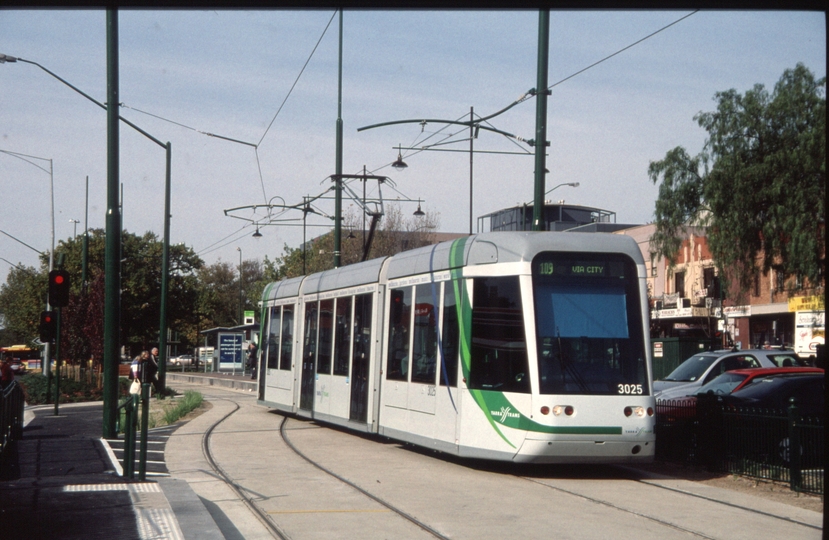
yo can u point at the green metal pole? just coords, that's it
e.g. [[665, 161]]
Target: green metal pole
[[57, 360], [85, 259], [112, 302], [541, 117], [471, 154], [338, 192], [145, 422], [165, 276]]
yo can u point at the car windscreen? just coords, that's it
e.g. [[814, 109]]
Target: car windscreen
[[723, 384], [691, 369]]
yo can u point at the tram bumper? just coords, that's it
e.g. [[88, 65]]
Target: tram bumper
[[639, 450]]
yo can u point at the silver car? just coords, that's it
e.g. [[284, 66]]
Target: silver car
[[703, 367], [183, 360]]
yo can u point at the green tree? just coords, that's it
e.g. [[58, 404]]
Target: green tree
[[218, 295], [22, 298], [759, 184], [23, 295]]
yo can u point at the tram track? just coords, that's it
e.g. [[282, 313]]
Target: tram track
[[239, 490], [423, 526], [555, 480], [263, 516], [666, 523]]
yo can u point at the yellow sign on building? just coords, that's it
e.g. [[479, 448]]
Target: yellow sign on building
[[806, 303]]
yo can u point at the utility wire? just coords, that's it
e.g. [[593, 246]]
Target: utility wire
[[297, 78], [622, 50]]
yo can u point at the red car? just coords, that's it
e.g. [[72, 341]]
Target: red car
[[730, 381]]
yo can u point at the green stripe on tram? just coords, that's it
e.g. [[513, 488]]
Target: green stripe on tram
[[498, 410]]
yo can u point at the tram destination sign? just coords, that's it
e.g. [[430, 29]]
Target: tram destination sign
[[552, 266]]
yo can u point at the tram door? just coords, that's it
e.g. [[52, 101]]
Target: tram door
[[309, 357], [361, 358]]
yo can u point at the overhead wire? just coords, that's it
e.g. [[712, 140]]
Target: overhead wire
[[526, 96], [297, 77], [594, 64]]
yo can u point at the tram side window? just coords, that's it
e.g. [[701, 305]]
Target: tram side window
[[499, 347], [287, 346], [424, 348], [397, 368], [362, 335], [326, 339], [450, 335], [272, 350], [309, 344], [342, 336]]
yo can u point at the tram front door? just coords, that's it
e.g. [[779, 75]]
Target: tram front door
[[358, 410], [309, 358]]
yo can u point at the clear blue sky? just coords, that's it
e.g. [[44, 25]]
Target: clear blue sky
[[230, 72]]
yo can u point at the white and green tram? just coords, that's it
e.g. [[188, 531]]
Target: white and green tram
[[515, 346]]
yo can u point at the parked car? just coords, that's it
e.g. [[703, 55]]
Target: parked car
[[774, 393], [673, 407], [182, 361], [733, 381], [704, 367]]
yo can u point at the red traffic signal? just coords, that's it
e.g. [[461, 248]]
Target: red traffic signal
[[47, 326], [59, 288]]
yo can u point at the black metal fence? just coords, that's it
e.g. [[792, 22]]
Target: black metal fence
[[12, 403], [777, 445]]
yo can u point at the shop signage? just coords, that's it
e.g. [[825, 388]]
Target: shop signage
[[806, 303]]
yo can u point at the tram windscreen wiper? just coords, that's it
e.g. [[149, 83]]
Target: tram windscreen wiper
[[568, 367]]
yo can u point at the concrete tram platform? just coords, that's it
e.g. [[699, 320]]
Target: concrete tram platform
[[61, 481]]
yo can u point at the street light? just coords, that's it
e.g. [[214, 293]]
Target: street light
[[112, 308], [474, 127], [571, 184], [399, 164], [75, 221], [540, 212], [47, 349]]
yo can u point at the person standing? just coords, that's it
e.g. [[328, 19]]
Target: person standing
[[6, 372], [152, 369], [252, 359], [144, 369]]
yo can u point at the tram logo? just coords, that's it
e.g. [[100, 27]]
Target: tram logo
[[504, 413]]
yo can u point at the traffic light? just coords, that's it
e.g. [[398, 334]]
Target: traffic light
[[47, 326], [59, 288]]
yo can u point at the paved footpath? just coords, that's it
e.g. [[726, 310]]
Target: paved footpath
[[61, 481]]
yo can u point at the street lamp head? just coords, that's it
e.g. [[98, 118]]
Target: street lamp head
[[419, 212], [6, 58], [257, 234], [399, 164], [573, 184]]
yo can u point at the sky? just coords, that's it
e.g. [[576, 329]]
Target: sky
[[269, 80]]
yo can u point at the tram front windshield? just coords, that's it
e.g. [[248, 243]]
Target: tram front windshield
[[589, 325]]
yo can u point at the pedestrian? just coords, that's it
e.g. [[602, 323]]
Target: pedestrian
[[143, 369], [252, 348], [154, 368], [6, 373]]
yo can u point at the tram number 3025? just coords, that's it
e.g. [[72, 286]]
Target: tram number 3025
[[630, 389]]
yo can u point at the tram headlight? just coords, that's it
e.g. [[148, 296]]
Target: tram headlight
[[567, 410], [638, 411]]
